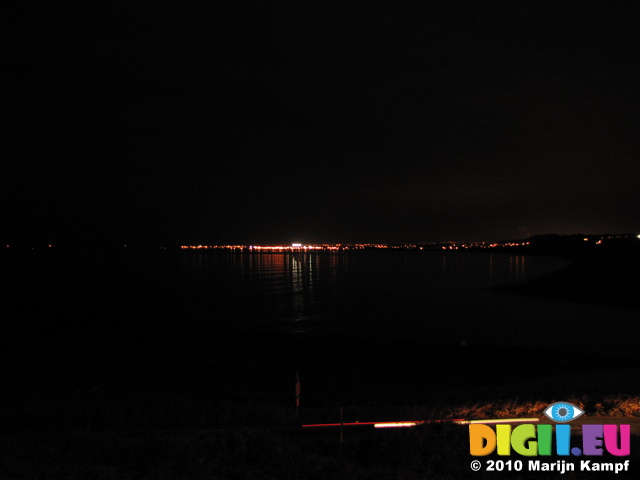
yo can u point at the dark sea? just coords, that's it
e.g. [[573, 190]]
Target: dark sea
[[429, 297], [375, 295], [240, 326]]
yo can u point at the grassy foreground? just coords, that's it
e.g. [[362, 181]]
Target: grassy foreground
[[146, 418], [129, 416], [129, 435]]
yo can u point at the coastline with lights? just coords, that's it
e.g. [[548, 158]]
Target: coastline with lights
[[614, 257], [545, 244], [548, 244]]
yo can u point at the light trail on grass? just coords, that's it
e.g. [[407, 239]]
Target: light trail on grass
[[404, 424]]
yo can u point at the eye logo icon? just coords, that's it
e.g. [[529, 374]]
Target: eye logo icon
[[562, 412]]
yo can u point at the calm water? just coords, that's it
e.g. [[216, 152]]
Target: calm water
[[435, 298], [372, 294]]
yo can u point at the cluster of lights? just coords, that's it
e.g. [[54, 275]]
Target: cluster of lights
[[463, 246], [207, 247], [606, 237], [299, 247], [294, 247]]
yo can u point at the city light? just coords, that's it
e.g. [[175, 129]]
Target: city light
[[521, 246]]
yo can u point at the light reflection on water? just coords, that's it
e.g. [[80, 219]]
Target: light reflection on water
[[377, 293], [426, 296]]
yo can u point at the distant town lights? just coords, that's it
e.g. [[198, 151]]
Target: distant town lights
[[296, 244]]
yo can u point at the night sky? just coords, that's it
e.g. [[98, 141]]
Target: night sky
[[321, 123]]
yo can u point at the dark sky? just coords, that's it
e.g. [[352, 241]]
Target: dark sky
[[324, 123]]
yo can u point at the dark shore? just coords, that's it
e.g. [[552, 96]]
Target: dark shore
[[610, 278]]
